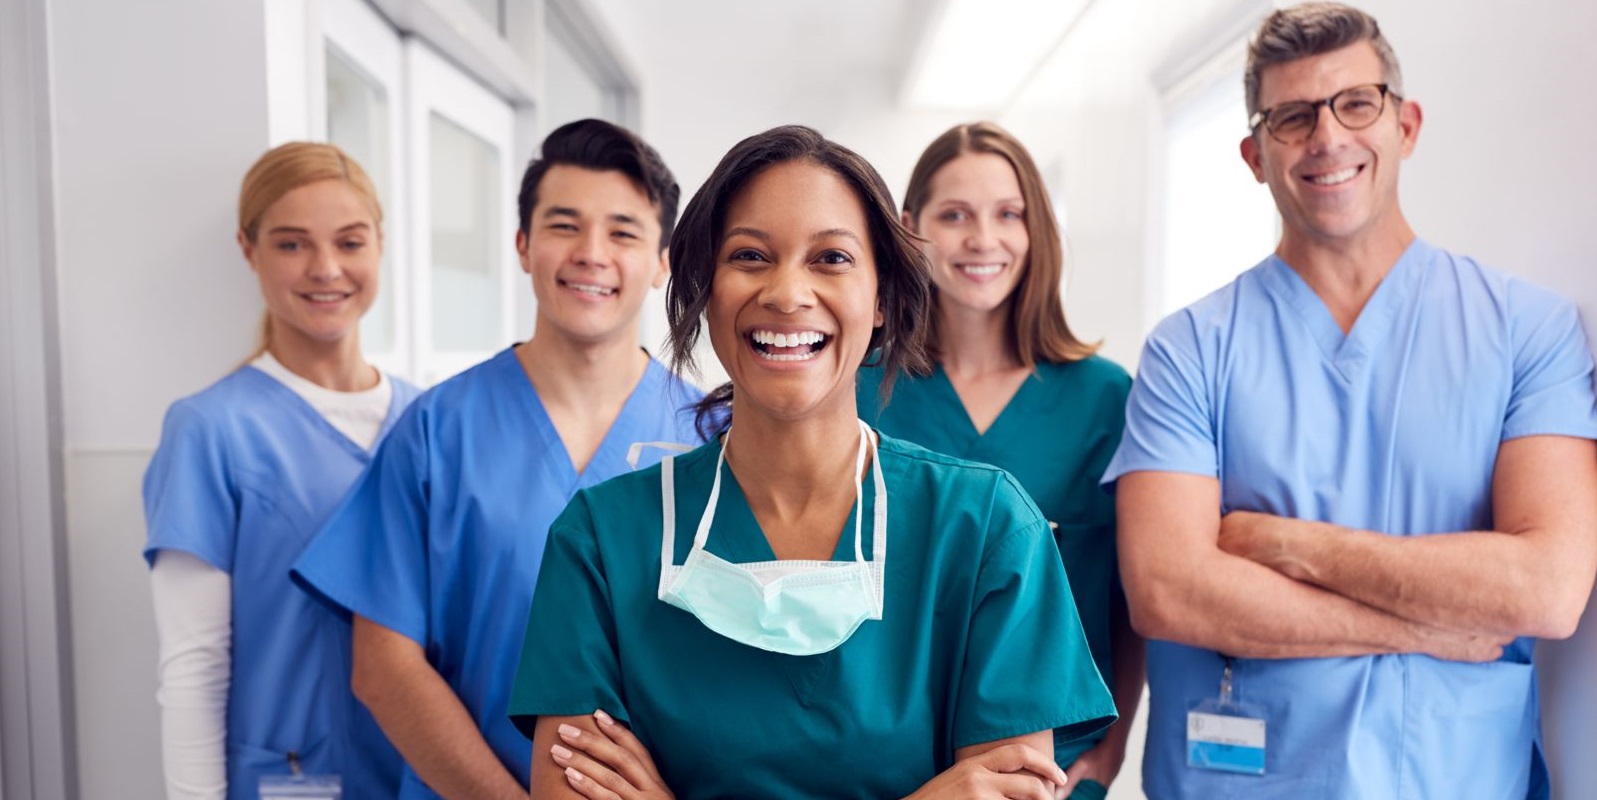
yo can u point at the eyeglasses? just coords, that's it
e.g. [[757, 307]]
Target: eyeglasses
[[1356, 107]]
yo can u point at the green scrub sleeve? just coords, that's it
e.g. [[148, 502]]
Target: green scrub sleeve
[[1027, 664], [568, 661]]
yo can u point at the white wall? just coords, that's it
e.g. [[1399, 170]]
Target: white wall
[[157, 117], [1500, 173]]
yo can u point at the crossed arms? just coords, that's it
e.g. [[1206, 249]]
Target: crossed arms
[[1260, 586]]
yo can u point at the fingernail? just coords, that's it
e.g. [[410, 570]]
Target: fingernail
[[569, 732], [604, 719], [1060, 793], [573, 775], [560, 752]]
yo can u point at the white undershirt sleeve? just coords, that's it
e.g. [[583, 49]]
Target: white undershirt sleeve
[[193, 623]]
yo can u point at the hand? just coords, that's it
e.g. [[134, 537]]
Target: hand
[[1101, 763], [1263, 539], [1012, 771], [614, 766]]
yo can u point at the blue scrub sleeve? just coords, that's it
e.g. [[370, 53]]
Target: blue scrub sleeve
[[1552, 391], [1027, 665], [191, 500], [370, 557], [569, 664], [1169, 422]]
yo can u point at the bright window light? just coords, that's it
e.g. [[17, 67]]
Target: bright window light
[[976, 53]]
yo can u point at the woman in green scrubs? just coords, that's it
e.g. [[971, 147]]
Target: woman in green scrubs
[[1011, 386], [802, 607]]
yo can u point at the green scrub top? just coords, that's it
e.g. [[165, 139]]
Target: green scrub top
[[977, 614], [1056, 437]]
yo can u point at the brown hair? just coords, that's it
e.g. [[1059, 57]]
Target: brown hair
[[1037, 327], [1311, 29], [903, 276], [285, 168]]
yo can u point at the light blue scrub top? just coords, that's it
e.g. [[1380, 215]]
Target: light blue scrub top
[[441, 539], [1055, 436], [245, 473], [1394, 427], [977, 616]]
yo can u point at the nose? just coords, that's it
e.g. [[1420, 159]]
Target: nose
[[1327, 130], [979, 237], [324, 266], [787, 289], [590, 247]]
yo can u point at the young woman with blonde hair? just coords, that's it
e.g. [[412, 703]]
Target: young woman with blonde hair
[[254, 673]]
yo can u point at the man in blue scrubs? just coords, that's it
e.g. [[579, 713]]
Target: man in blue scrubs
[[1358, 482], [436, 551]]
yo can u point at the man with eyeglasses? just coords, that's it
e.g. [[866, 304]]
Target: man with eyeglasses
[[1358, 482]]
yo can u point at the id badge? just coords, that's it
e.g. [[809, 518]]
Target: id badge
[[1225, 736], [301, 787]]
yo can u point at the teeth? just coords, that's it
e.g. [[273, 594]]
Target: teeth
[[326, 297], [596, 291], [773, 339], [1334, 178], [982, 270], [789, 357]]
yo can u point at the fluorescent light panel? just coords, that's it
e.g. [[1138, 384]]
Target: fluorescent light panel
[[977, 53]]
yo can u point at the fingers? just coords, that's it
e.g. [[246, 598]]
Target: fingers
[[586, 786], [1021, 758], [620, 735], [1022, 786]]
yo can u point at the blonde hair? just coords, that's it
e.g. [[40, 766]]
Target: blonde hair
[[1037, 327], [285, 168]]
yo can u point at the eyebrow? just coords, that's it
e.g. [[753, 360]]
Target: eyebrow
[[567, 211], [766, 237], [293, 229]]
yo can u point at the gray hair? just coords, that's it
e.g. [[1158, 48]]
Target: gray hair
[[1311, 29]]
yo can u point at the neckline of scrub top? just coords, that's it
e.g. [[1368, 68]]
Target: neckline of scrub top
[[301, 406], [1344, 351], [945, 385], [610, 449], [734, 528]]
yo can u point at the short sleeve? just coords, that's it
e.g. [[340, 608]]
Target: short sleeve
[[370, 556], [1552, 392], [191, 500], [1027, 666], [569, 664], [1169, 423]]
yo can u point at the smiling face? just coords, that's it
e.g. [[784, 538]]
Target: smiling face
[[1337, 187], [592, 248], [975, 222], [316, 253], [793, 300]]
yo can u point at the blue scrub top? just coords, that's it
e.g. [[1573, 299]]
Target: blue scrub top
[[1394, 427], [1055, 436], [979, 639], [441, 539], [245, 473]]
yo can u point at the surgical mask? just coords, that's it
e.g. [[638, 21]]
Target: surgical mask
[[795, 607]]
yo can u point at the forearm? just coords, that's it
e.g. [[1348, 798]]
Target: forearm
[[1243, 609], [193, 619], [1130, 674], [1482, 582], [425, 720]]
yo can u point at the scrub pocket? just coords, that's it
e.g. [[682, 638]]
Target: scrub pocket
[[1089, 789], [246, 763]]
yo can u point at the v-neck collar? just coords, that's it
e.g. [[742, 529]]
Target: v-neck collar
[[1345, 352], [301, 406], [612, 448], [747, 542], [967, 427]]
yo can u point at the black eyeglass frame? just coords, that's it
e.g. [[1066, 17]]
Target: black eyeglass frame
[[1262, 116]]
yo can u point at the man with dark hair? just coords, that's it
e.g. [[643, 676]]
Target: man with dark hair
[[436, 550], [1358, 482]]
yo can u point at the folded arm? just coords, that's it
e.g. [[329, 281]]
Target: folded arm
[[1531, 576], [1182, 587]]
